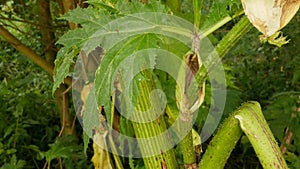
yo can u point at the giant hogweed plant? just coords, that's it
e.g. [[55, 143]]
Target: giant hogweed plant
[[113, 45]]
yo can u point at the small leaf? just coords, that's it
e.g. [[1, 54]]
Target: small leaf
[[63, 147], [34, 148]]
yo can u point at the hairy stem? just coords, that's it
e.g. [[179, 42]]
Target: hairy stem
[[166, 159], [256, 128], [197, 12], [222, 144]]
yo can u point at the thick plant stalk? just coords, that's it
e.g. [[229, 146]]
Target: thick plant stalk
[[151, 129], [249, 119], [233, 36], [230, 39], [186, 110], [188, 151], [223, 47], [222, 143], [186, 144], [256, 128], [197, 12]]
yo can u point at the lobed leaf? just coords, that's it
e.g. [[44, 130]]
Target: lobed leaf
[[104, 76]]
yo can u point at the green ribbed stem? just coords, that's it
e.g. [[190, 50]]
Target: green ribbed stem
[[188, 151], [165, 159]]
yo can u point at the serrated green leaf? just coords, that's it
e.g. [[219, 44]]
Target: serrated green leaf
[[90, 20], [137, 7], [140, 23], [104, 75], [63, 63], [86, 16], [75, 37]]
